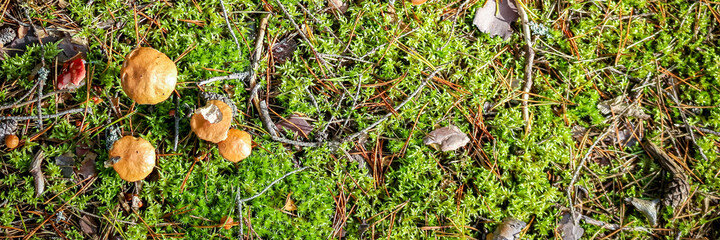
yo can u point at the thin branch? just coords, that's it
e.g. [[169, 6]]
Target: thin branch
[[396, 108], [302, 34], [227, 21], [582, 163], [17, 104], [241, 201], [529, 59], [24, 118], [240, 75], [42, 73]]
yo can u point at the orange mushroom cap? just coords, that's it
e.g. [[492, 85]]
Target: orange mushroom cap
[[148, 76], [134, 158], [237, 146], [214, 131]]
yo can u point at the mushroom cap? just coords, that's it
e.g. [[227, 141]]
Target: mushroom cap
[[137, 158], [148, 76], [212, 132], [237, 146]]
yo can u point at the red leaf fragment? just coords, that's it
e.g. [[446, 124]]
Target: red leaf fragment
[[72, 75]]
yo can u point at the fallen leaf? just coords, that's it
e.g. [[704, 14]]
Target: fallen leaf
[[87, 167], [226, 222], [617, 106], [284, 49], [509, 229], [81, 149], [418, 2], [568, 228], [296, 123], [495, 19], [289, 204], [338, 5], [448, 138], [36, 172], [72, 47], [66, 162], [22, 31], [646, 207], [88, 225]]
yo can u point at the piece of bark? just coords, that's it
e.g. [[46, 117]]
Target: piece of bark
[[36, 172]]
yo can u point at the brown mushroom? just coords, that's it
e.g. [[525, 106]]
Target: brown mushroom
[[132, 158], [212, 122], [237, 146], [12, 141], [148, 76]]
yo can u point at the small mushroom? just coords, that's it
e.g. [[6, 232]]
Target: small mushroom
[[237, 146], [212, 122], [12, 141], [132, 158], [148, 76]]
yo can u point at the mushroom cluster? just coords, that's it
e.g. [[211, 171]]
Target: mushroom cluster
[[212, 123], [148, 76]]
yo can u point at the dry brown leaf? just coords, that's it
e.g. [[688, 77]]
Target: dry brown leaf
[[36, 172], [495, 19], [87, 167], [289, 204], [509, 229], [617, 106], [568, 228], [296, 123], [447, 138], [648, 208], [66, 162], [88, 225], [284, 49], [338, 5]]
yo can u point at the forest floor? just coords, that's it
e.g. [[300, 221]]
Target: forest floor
[[612, 116]]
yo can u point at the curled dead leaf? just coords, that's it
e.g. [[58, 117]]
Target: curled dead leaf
[[289, 204], [296, 123], [617, 106], [495, 19], [36, 172], [568, 228], [509, 229], [447, 138], [648, 208]]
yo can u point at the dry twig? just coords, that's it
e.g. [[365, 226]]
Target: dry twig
[[241, 201], [529, 59]]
